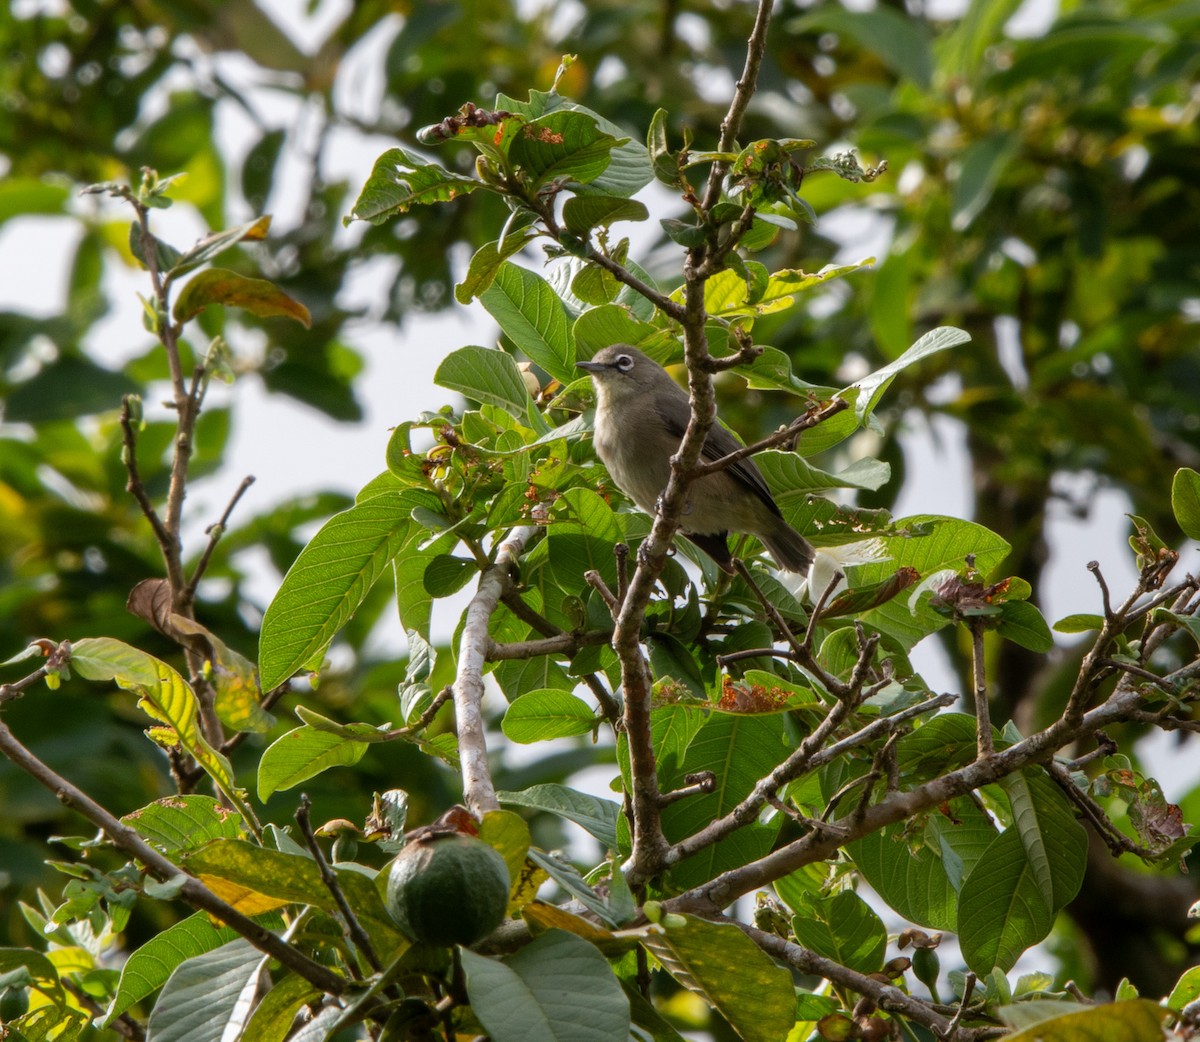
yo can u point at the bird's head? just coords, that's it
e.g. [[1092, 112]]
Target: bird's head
[[623, 371]]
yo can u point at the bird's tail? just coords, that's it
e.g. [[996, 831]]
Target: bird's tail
[[789, 548]]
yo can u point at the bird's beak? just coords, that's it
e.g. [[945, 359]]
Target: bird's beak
[[591, 367]]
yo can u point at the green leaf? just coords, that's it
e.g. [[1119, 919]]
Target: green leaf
[[1082, 623], [843, 928], [147, 969], [533, 318], [400, 180], [568, 877], [873, 386], [275, 1014], [739, 749], [1055, 842], [486, 262], [301, 754], [42, 972], [922, 884], [983, 165], [235, 866], [217, 243], [329, 580], [961, 52], [562, 145], [663, 161], [732, 974], [727, 294], [597, 816], [165, 255], [66, 389], [1185, 501], [929, 544], [1023, 624], [487, 375], [22, 196], [1136, 1020], [1001, 908], [186, 822], [582, 213], [557, 989], [608, 324], [900, 42], [208, 997], [162, 694], [540, 715], [222, 286], [445, 575], [414, 602]]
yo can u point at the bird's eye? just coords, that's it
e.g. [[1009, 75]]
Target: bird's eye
[[624, 363]]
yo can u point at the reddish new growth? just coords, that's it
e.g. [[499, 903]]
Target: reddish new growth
[[544, 135], [468, 116], [740, 697]]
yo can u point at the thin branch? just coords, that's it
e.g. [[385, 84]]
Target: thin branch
[[887, 997], [700, 784], [1116, 841], [951, 1029], [134, 486], [13, 691], [596, 581], [193, 891], [799, 762], [811, 632], [810, 419], [984, 745], [478, 789], [772, 612], [563, 644], [731, 125], [214, 533], [124, 1025], [353, 927], [901, 806], [426, 718], [1106, 600]]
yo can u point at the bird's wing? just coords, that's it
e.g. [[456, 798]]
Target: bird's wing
[[676, 411]]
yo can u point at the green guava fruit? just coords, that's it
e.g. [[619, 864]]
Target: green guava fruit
[[447, 888]]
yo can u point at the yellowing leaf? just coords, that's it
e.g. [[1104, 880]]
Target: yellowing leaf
[[222, 286]]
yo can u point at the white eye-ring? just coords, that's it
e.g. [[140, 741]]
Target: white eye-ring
[[624, 363]]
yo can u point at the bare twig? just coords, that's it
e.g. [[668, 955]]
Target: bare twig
[[903, 805], [426, 718], [951, 1029], [772, 612], [354, 928], [124, 1025], [214, 533], [1094, 568], [985, 747], [10, 692], [810, 419], [887, 997], [192, 890], [134, 486], [700, 784], [563, 644], [478, 788], [596, 581]]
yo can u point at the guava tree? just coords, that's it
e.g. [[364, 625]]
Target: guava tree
[[770, 747]]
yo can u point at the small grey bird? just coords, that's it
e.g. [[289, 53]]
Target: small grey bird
[[641, 415]]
